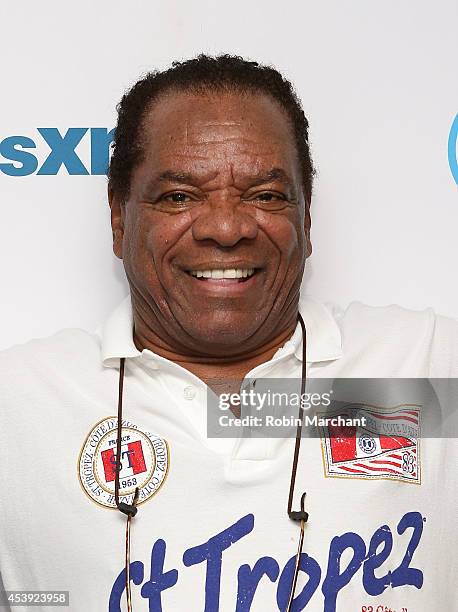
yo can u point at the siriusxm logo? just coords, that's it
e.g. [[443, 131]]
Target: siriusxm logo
[[20, 161], [58, 151], [452, 153]]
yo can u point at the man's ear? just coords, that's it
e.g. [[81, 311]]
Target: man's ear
[[117, 206], [307, 226]]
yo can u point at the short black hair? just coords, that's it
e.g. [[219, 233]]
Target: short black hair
[[205, 74]]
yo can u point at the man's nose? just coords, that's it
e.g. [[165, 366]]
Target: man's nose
[[226, 222]]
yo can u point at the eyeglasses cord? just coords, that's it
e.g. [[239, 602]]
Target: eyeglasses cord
[[300, 515], [131, 509]]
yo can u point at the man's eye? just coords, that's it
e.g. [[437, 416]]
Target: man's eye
[[270, 201], [269, 196], [177, 197]]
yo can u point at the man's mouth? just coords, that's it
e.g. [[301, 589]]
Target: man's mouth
[[236, 275]]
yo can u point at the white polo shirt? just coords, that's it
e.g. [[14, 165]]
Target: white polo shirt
[[212, 532]]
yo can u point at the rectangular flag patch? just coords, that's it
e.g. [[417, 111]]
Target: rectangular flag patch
[[387, 447], [132, 461]]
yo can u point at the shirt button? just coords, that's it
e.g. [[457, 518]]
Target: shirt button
[[189, 393]]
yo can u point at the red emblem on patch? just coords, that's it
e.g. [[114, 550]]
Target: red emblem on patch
[[132, 460]]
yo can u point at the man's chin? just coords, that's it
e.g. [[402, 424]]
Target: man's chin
[[224, 337]]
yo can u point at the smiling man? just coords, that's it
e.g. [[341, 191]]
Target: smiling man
[[210, 186], [210, 214]]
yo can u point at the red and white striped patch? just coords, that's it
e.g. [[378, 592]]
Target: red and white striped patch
[[388, 446]]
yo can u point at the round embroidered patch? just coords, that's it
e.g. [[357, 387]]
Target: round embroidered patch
[[144, 463]]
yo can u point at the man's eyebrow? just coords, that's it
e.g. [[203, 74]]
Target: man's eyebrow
[[170, 176], [275, 174], [177, 177]]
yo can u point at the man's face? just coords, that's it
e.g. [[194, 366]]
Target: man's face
[[214, 233]]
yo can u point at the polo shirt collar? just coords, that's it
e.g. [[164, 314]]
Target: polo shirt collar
[[323, 335], [324, 340], [117, 335]]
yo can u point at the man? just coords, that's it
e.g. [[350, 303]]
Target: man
[[210, 188]]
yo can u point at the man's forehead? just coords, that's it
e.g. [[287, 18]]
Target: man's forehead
[[203, 130], [215, 117], [195, 139]]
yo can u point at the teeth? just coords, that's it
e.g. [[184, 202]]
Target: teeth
[[219, 273]]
